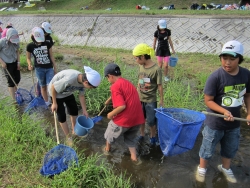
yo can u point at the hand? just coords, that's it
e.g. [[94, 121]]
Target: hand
[[109, 115], [54, 107], [229, 116], [248, 118], [161, 103], [4, 65], [173, 51], [30, 67], [85, 113]]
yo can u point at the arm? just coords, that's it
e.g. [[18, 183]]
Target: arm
[[160, 89], [154, 43], [209, 101], [171, 44], [107, 101], [28, 58], [116, 111], [18, 60], [53, 60], [3, 63], [54, 103], [247, 103], [83, 105]]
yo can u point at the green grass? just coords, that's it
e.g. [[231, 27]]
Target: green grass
[[24, 143], [120, 7]]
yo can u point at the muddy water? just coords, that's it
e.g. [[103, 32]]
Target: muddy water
[[156, 170]]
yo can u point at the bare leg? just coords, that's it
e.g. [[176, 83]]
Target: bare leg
[[165, 67], [44, 93], [133, 153], [65, 128], [12, 92], [226, 163], [142, 130], [73, 122], [160, 64], [152, 131], [108, 146], [203, 163]]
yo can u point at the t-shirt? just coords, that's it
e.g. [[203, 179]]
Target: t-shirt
[[65, 83], [8, 51], [149, 79], [228, 91], [124, 92], [162, 42], [41, 54], [49, 39]]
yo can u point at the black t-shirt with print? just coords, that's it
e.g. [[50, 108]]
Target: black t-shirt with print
[[41, 54], [162, 43]]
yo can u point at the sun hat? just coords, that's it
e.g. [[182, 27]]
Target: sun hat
[[162, 24], [12, 35], [142, 49], [232, 48], [47, 27], [94, 78], [112, 69], [38, 34]]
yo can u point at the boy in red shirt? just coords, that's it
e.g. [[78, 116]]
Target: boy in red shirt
[[127, 115]]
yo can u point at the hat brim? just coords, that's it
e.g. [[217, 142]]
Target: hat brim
[[15, 40], [162, 27], [228, 53], [39, 39]]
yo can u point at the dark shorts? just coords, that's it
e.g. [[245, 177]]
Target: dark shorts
[[71, 107], [15, 74], [149, 112], [114, 131], [229, 141], [162, 52]]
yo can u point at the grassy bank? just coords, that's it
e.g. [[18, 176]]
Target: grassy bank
[[119, 7], [23, 147]]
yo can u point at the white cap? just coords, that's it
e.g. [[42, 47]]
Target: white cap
[[162, 24], [232, 48], [94, 78], [38, 34], [47, 27]]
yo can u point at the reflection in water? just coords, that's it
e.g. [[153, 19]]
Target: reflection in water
[[156, 170]]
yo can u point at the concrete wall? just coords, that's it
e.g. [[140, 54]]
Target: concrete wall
[[189, 34]]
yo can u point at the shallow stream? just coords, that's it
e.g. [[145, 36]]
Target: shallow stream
[[156, 170]]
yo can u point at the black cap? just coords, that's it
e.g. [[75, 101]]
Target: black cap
[[112, 69]]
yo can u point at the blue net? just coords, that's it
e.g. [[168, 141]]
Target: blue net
[[178, 129], [23, 96], [35, 105], [58, 159]]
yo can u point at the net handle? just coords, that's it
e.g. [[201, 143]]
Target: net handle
[[102, 110], [223, 116], [57, 137], [11, 78], [33, 80]]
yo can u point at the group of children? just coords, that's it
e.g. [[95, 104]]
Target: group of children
[[133, 107]]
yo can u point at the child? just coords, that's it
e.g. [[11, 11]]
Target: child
[[127, 115], [225, 90], [44, 61], [10, 59], [61, 90], [163, 36], [46, 27], [150, 80]]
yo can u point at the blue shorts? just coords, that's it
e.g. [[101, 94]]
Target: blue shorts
[[149, 113], [229, 140], [44, 75]]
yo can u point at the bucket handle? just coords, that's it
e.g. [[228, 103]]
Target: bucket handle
[[175, 55]]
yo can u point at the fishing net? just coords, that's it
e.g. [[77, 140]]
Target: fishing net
[[23, 96], [58, 159], [178, 129], [36, 105]]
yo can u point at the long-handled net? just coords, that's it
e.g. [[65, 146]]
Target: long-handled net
[[22, 96], [59, 158], [98, 117], [37, 103]]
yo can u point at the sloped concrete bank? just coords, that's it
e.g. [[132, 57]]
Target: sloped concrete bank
[[189, 33]]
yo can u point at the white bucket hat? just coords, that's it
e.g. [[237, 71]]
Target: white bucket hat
[[47, 27]]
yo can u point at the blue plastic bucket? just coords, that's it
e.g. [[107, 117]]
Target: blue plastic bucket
[[83, 125], [173, 61]]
